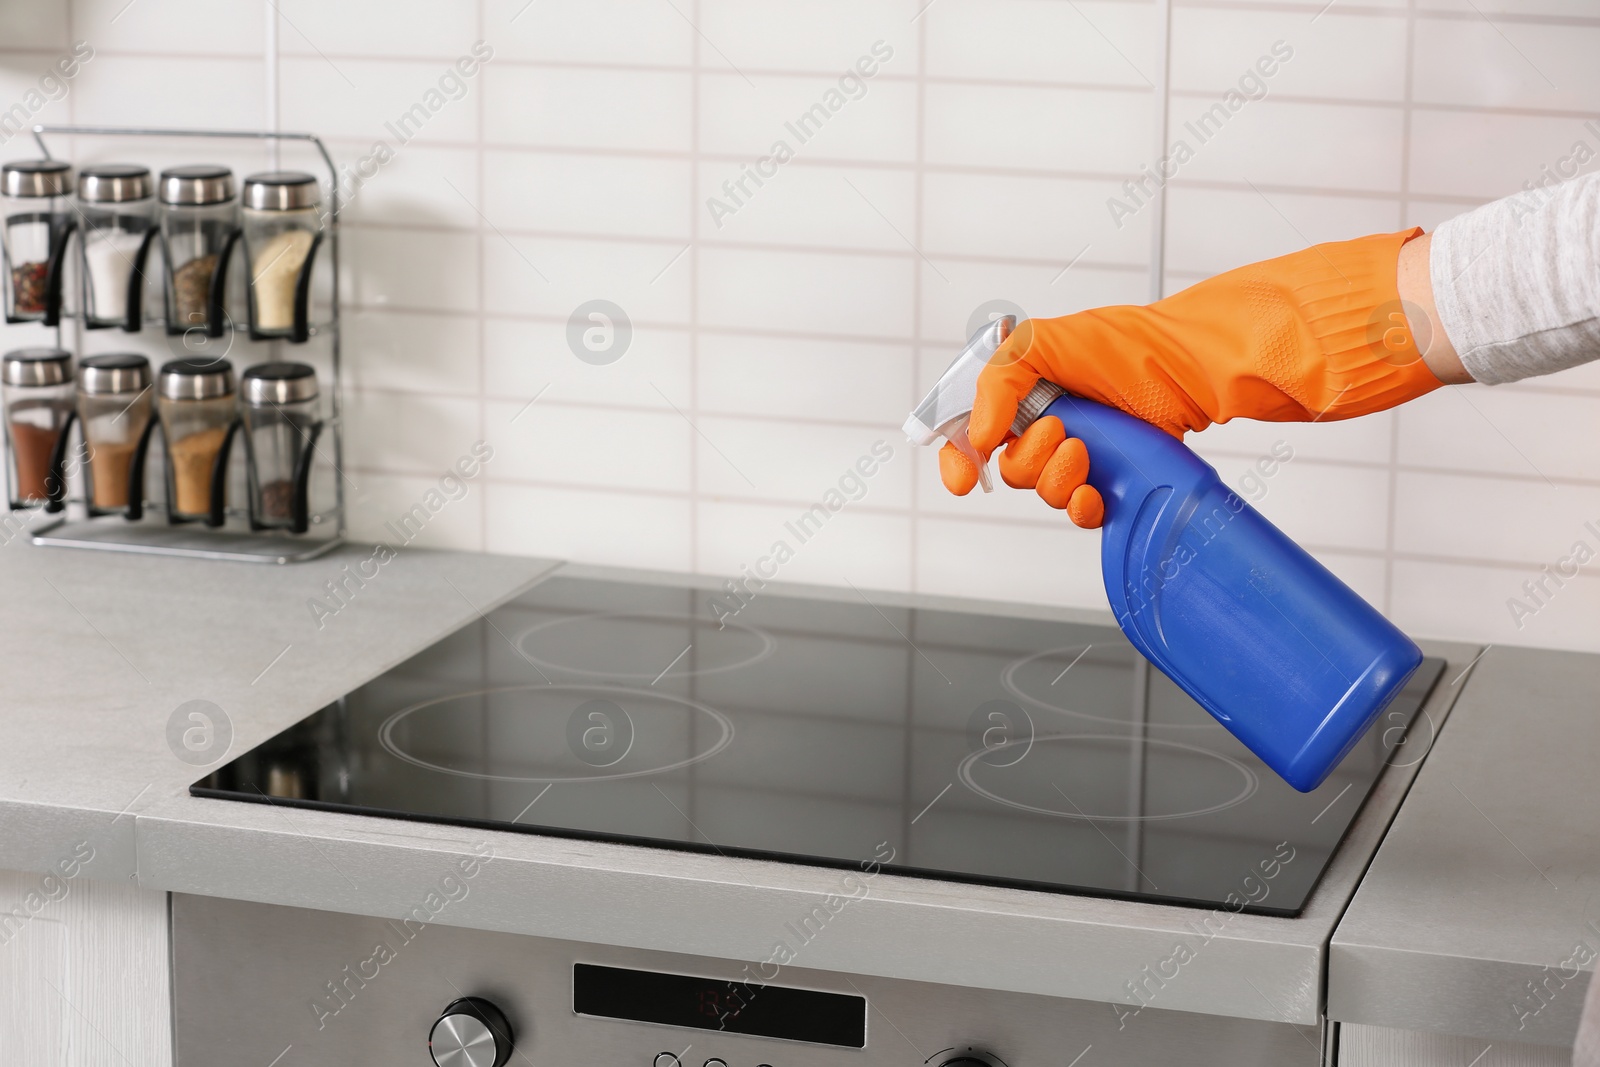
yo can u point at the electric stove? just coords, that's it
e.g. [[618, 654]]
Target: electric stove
[[833, 728]]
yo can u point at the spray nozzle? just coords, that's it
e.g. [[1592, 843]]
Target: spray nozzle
[[944, 412]]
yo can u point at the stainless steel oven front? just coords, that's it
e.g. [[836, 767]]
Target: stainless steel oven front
[[282, 987]]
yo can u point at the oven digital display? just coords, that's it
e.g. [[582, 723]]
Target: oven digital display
[[719, 1004]]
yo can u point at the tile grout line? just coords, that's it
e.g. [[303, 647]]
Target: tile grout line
[[694, 290], [1391, 524], [483, 255], [1162, 119]]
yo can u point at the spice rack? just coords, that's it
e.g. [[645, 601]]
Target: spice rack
[[228, 533]]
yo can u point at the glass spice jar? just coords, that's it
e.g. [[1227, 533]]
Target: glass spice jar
[[279, 403], [197, 215], [38, 405], [280, 221], [116, 207], [114, 407], [33, 197], [196, 402]]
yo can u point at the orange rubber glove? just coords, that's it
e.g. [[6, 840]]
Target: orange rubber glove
[[1317, 334]]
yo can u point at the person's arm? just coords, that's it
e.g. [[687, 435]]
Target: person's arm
[[1502, 292], [1415, 282], [1516, 283]]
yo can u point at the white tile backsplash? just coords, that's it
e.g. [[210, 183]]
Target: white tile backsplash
[[1280, 142], [1506, 63], [1429, 509], [390, 348], [746, 117], [587, 194], [867, 549], [1220, 49], [777, 334], [1320, 504], [807, 292], [552, 277], [872, 209], [954, 289], [1473, 603], [407, 433], [385, 498], [1485, 155], [187, 26], [373, 100], [1472, 9], [784, 377], [1042, 41], [827, 35], [26, 83], [1015, 127], [616, 33], [367, 28], [524, 360], [1211, 230], [802, 462], [1049, 563], [557, 444], [42, 26], [566, 107], [1016, 217], [207, 92], [623, 529], [429, 270], [1366, 440], [405, 190], [1534, 436]]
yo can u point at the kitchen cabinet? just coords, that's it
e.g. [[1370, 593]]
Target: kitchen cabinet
[[1382, 1046], [1487, 887], [83, 972]]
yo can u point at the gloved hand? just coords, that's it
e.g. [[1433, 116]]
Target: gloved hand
[[1317, 334]]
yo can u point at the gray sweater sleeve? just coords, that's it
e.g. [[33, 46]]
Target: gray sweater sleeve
[[1517, 282]]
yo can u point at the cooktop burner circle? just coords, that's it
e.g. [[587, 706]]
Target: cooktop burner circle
[[669, 667], [1008, 681], [1248, 780], [591, 696]]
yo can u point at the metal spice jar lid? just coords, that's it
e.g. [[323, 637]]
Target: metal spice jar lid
[[278, 383], [114, 183], [196, 379], [199, 183], [38, 367], [113, 373], [281, 190], [36, 177]]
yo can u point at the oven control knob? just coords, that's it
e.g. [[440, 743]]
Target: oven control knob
[[972, 1058], [471, 1032]]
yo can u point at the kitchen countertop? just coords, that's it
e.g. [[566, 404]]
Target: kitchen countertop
[[1490, 876], [101, 649], [98, 650]]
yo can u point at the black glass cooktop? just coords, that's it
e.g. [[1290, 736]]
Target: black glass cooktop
[[829, 729]]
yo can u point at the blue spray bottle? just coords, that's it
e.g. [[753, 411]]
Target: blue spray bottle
[[1286, 656]]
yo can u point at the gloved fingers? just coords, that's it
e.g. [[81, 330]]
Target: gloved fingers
[[1001, 386], [1086, 508], [1064, 473], [1024, 459], [958, 473]]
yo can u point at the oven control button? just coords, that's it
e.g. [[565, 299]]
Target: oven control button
[[471, 1032], [667, 1059], [716, 1061]]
